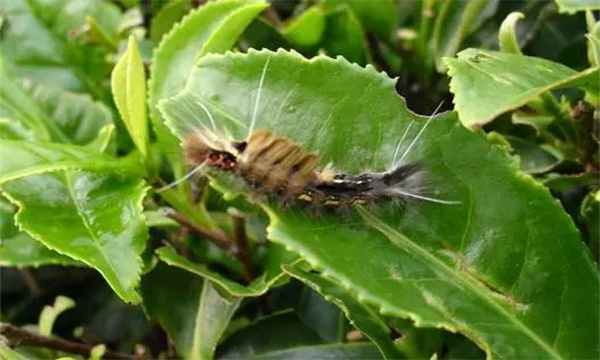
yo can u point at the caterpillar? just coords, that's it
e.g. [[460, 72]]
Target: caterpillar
[[278, 166]]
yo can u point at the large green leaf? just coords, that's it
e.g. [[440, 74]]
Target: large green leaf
[[21, 250], [505, 263], [93, 217], [213, 27], [487, 84], [38, 39], [361, 316], [199, 317]]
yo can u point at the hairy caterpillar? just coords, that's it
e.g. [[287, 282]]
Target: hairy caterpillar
[[278, 166]]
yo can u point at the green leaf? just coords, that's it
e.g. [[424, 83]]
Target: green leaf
[[483, 267], [50, 313], [93, 217], [39, 40], [593, 38], [200, 316], [572, 6], [456, 20], [21, 250], [507, 34], [534, 158], [261, 34], [306, 30], [21, 159], [590, 211], [15, 130], [379, 17], [128, 83], [277, 332], [487, 84], [362, 317], [213, 27], [78, 117], [6, 353], [344, 36], [258, 287], [50, 113], [166, 17], [357, 351]]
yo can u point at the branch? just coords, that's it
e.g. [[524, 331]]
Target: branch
[[240, 238], [237, 247], [217, 237], [18, 336]]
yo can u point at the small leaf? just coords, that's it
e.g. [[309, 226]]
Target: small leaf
[[6, 353], [507, 35], [93, 217], [534, 158], [128, 83], [487, 84], [572, 6], [101, 142], [197, 322], [213, 27], [50, 313], [258, 287], [362, 317], [306, 30]]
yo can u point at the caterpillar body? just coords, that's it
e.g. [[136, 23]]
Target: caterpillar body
[[277, 165]]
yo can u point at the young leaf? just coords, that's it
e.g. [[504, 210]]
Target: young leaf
[[379, 17], [473, 267], [507, 36], [487, 84], [128, 83], [93, 217], [50, 313], [200, 316], [213, 27], [361, 316]]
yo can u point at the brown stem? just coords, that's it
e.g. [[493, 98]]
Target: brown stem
[[376, 54], [240, 238], [273, 17], [32, 283], [217, 237], [17, 336]]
